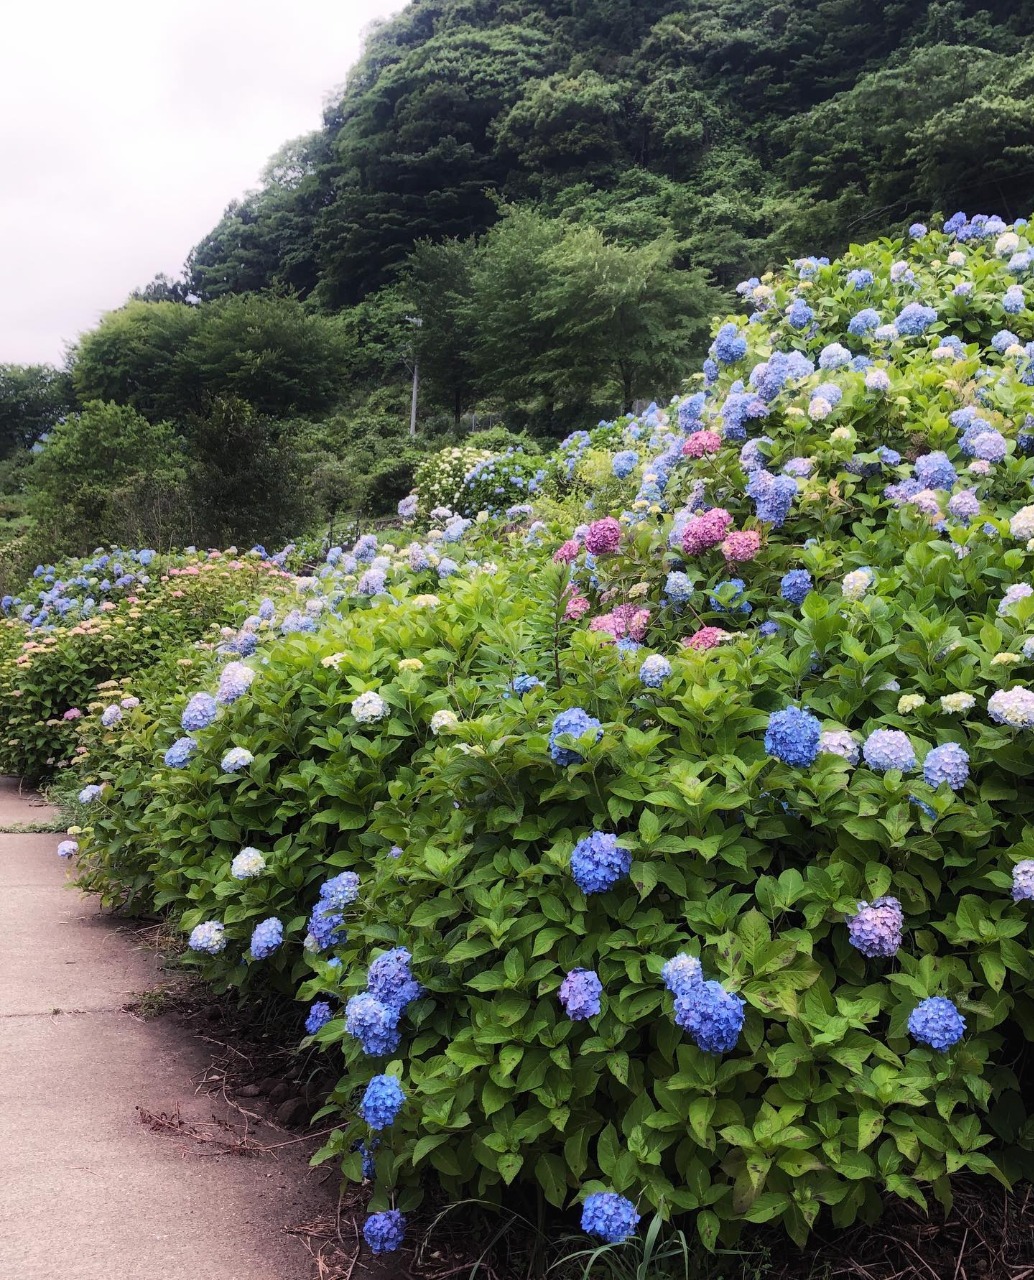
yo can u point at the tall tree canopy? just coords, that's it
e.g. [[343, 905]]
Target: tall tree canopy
[[783, 127]]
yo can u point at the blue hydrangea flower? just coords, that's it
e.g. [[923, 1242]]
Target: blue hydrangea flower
[[834, 356], [609, 1216], [917, 230], [654, 671], [199, 712], [327, 920], [68, 848], [236, 759], [524, 684], [234, 681], [390, 980], [580, 994], [860, 278], [598, 862], [712, 1016], [1003, 340], [678, 587], [577, 723], [266, 938], [624, 463], [90, 793], [915, 319], [886, 749], [772, 495], [382, 1102], [682, 971], [209, 937], [373, 1024], [768, 629], [793, 736], [934, 471], [180, 752], [936, 1022], [111, 716], [947, 763], [729, 344], [320, 1014], [799, 315], [876, 929], [384, 1232], [795, 585], [865, 321]]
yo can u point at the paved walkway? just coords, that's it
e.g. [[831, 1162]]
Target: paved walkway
[[87, 1191]]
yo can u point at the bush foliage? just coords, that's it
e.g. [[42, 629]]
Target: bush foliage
[[828, 534]]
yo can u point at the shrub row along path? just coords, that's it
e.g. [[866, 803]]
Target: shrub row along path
[[88, 1189]]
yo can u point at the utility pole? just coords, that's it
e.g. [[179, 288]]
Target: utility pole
[[417, 323]]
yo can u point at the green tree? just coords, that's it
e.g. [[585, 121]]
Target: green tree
[[167, 359], [568, 321], [439, 284], [107, 474], [33, 398], [245, 477]]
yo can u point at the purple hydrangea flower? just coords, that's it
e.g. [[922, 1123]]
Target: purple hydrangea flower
[[580, 994], [947, 763], [876, 929], [712, 1016], [887, 749]]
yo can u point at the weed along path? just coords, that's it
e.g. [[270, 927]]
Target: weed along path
[[93, 1182]]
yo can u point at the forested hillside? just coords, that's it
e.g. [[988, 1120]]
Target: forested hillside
[[752, 132], [536, 205]]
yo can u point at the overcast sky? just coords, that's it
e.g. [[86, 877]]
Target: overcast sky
[[127, 126]]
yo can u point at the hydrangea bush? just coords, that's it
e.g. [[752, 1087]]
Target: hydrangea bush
[[84, 623], [711, 893], [441, 479]]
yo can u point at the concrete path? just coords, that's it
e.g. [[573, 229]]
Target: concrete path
[[88, 1191]]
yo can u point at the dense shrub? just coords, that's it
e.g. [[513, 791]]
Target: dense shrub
[[440, 479], [506, 480], [767, 710], [116, 614]]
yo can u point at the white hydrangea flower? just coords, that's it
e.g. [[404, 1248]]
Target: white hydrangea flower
[[857, 583], [369, 708], [247, 864], [910, 702], [444, 719]]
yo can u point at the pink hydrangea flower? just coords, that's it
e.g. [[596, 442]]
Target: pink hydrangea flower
[[705, 638], [604, 536], [73, 713], [705, 531], [577, 607], [627, 621], [742, 544], [702, 443], [567, 551]]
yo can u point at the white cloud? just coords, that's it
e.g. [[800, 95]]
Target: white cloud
[[127, 127]]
